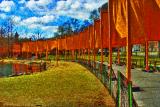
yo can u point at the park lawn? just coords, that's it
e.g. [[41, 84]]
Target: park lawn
[[69, 84]]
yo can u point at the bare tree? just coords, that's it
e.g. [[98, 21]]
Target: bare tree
[[8, 28], [2, 32]]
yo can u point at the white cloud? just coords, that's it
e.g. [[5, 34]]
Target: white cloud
[[16, 18], [79, 9], [76, 5], [61, 5], [21, 1], [44, 2], [37, 5], [90, 6], [48, 31], [38, 20], [49, 28], [6, 5], [46, 19], [3, 16], [33, 26]]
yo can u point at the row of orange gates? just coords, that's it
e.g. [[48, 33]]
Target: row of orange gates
[[124, 23]]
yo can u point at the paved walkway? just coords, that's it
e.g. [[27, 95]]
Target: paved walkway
[[149, 83]]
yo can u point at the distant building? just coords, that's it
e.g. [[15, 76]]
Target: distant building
[[154, 46], [136, 48]]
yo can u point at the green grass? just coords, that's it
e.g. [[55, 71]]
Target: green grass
[[69, 84]]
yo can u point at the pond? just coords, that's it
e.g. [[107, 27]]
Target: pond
[[5, 70], [14, 69]]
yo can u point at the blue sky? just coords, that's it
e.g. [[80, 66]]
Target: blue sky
[[45, 15]]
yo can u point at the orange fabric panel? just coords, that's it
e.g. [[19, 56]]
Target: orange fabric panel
[[119, 11], [116, 39], [71, 43], [41, 46], [52, 44], [16, 48], [49, 44], [152, 22], [82, 40], [158, 3], [38, 46], [25, 47], [79, 41], [63, 43], [120, 18], [33, 46], [87, 38], [105, 28], [144, 19], [67, 43], [60, 44], [76, 41], [97, 34], [91, 36], [144, 22]]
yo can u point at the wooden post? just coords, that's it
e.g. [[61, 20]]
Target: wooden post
[[65, 55], [78, 54], [110, 33], [57, 52], [89, 46], [94, 53], [72, 55], [119, 90], [46, 50], [101, 35], [66, 48], [128, 47], [28, 50], [146, 55], [36, 49], [83, 55], [21, 50]]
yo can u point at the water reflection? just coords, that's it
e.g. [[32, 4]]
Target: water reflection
[[14, 69], [5, 69]]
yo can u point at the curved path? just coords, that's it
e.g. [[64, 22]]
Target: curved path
[[149, 83]]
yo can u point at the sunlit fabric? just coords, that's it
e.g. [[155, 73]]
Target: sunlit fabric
[[151, 17], [144, 19], [144, 23], [97, 34], [119, 13], [158, 3], [91, 36], [105, 28], [16, 48], [120, 17]]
